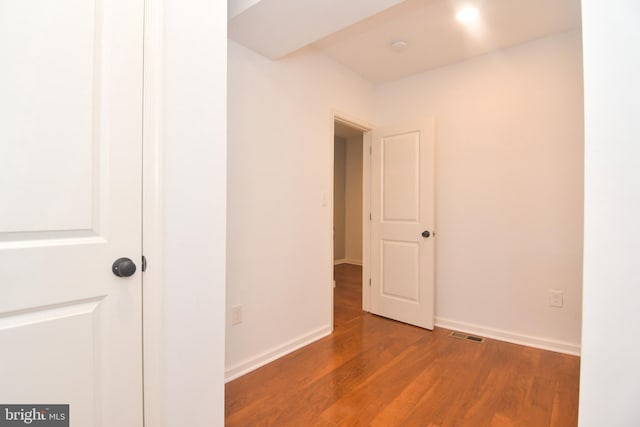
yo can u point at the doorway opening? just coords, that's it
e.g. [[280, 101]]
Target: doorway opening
[[348, 221]]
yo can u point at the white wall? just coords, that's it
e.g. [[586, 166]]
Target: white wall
[[353, 201], [509, 187], [609, 373], [192, 89], [279, 243]]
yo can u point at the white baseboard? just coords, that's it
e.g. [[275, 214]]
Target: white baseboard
[[512, 337], [347, 261], [253, 363]]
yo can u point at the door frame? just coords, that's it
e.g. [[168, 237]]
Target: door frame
[[366, 128], [171, 357], [153, 342]]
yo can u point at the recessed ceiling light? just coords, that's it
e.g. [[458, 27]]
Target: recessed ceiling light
[[467, 14], [399, 45]]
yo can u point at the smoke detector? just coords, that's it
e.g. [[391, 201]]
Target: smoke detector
[[399, 45]]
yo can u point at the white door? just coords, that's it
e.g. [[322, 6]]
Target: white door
[[402, 223], [70, 205]]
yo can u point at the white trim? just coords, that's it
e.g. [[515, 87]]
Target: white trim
[[366, 221], [351, 121], [332, 196], [347, 261], [152, 219], [263, 358], [512, 337]]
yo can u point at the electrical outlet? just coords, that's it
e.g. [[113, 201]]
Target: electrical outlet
[[236, 314], [556, 298]]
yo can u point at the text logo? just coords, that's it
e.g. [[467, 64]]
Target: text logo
[[34, 415]]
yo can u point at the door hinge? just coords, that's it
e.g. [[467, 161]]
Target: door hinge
[[370, 218], [144, 263], [369, 281], [370, 150]]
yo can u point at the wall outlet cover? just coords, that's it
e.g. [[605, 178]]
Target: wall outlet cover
[[556, 298], [236, 314]]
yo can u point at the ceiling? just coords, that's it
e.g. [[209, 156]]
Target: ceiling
[[275, 28], [434, 38]]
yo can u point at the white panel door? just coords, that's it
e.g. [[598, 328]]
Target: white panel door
[[70, 205], [402, 223]]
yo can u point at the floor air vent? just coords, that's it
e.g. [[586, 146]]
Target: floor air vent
[[467, 337]]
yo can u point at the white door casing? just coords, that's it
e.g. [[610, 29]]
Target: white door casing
[[402, 208], [70, 204]]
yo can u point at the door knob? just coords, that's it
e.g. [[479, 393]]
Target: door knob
[[123, 267], [426, 234]]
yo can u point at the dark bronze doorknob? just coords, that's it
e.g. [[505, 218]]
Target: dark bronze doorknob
[[426, 234], [123, 267]]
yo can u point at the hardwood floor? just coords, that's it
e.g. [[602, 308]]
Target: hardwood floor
[[378, 372]]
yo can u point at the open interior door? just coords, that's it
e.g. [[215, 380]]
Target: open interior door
[[402, 223], [70, 191]]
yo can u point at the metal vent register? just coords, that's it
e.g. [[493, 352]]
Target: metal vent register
[[467, 337]]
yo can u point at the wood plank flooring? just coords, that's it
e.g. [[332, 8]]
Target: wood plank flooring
[[374, 371]]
